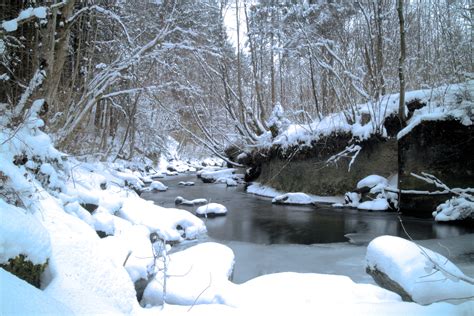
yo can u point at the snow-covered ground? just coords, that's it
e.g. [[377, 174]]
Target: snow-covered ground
[[441, 103], [61, 206]]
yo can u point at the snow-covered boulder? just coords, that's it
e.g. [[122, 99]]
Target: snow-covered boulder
[[157, 175], [170, 224], [292, 198], [197, 275], [217, 176], [179, 200], [230, 182], [379, 204], [456, 208], [21, 233], [186, 183], [211, 209], [414, 272], [158, 186]]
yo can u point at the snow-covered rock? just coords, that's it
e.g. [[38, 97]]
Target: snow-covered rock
[[456, 208], [230, 182], [186, 183], [415, 272], [158, 186], [378, 204], [293, 198], [169, 223], [211, 209], [22, 233], [217, 176], [263, 190], [179, 200], [197, 275]]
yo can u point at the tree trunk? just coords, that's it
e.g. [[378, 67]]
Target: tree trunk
[[401, 64]]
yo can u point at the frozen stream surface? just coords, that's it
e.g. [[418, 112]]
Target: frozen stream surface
[[268, 238]]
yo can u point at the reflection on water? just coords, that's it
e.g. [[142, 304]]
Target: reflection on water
[[254, 219]]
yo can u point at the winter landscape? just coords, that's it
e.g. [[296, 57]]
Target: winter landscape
[[238, 157]]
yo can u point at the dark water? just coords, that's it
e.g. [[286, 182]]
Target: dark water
[[254, 219]]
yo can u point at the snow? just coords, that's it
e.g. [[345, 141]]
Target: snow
[[456, 208], [378, 204], [212, 208], [12, 25], [372, 181], [158, 186], [412, 267], [197, 275], [180, 200], [262, 190], [218, 176], [22, 233], [166, 222], [441, 103], [293, 198], [20, 298], [79, 269], [186, 183]]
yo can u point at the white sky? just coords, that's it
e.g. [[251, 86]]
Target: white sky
[[230, 23]]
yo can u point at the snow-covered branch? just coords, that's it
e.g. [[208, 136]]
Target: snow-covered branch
[[103, 11], [351, 151]]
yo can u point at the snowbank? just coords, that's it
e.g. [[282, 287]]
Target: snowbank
[[21, 298], [412, 267], [197, 275], [169, 223], [292, 198], [263, 190], [219, 176], [22, 233], [442, 103], [79, 269], [211, 209]]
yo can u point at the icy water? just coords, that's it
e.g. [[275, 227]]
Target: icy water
[[254, 219], [267, 238]]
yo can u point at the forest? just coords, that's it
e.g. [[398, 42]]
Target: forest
[[234, 157], [119, 77]]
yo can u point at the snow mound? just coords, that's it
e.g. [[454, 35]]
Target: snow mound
[[413, 268], [197, 275], [217, 176], [211, 209], [79, 269], [22, 233], [293, 198], [372, 181], [263, 190], [309, 290], [457, 208], [179, 200], [158, 186], [378, 204], [170, 224], [20, 298]]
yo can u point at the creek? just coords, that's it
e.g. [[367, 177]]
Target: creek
[[268, 238]]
